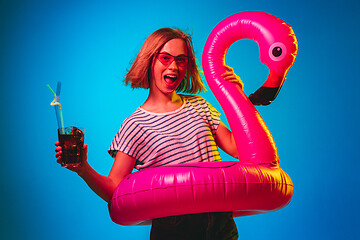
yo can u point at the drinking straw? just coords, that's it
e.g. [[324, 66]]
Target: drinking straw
[[56, 103]]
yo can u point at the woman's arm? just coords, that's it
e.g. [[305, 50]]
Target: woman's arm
[[225, 140], [224, 137], [103, 186]]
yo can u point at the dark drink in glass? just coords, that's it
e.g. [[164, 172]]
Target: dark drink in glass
[[72, 141]]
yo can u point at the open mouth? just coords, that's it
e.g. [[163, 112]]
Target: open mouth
[[172, 78]]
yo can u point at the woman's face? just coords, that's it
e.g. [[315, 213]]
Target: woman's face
[[167, 74]]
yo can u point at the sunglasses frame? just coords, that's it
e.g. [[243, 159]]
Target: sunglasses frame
[[173, 59]]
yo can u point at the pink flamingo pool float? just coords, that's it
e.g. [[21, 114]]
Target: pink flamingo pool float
[[254, 184]]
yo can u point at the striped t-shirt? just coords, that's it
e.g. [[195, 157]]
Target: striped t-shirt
[[184, 135]]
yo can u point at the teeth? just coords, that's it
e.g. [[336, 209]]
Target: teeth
[[171, 77]]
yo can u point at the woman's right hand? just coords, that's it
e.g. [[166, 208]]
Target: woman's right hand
[[78, 169], [58, 150]]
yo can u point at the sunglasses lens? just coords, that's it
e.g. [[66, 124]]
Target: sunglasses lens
[[181, 61], [165, 59]]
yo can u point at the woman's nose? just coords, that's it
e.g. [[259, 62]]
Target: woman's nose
[[173, 65]]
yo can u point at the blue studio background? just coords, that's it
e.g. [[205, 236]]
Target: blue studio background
[[88, 45]]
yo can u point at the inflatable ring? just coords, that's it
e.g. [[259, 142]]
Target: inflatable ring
[[254, 184]]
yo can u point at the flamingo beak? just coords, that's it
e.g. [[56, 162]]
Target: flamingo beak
[[264, 95]]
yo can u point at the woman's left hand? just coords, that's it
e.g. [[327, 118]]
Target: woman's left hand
[[230, 76]]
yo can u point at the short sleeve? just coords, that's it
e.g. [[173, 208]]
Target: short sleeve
[[126, 140], [212, 115]]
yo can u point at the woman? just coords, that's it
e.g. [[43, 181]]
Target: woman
[[169, 128]]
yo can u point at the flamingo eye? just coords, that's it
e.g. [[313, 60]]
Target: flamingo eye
[[277, 51]]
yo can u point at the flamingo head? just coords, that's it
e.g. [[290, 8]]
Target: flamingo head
[[278, 51]]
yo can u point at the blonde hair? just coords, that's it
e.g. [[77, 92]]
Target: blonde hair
[[139, 74]]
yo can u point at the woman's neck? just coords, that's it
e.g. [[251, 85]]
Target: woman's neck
[[162, 103]]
